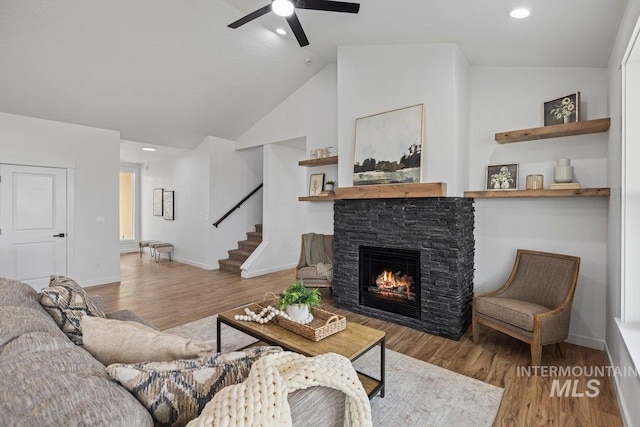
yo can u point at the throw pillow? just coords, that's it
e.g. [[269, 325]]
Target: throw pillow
[[67, 302], [176, 392], [124, 341]]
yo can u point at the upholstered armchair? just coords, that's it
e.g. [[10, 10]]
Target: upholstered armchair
[[318, 248], [534, 305]]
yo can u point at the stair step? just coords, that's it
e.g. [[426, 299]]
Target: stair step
[[239, 254], [230, 265], [259, 228], [248, 245], [254, 236]]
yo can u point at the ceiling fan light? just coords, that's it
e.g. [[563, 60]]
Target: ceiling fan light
[[282, 7]]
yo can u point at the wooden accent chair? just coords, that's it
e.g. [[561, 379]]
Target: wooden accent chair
[[534, 305], [308, 273]]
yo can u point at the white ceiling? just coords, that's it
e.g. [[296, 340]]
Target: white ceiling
[[168, 72]]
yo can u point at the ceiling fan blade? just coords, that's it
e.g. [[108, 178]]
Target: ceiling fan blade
[[331, 6], [294, 23], [250, 17]]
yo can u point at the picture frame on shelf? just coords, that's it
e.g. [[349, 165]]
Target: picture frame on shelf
[[502, 177], [316, 184], [563, 110], [168, 206], [157, 201], [388, 147]]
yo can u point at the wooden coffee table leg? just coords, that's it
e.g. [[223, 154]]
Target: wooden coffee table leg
[[218, 335], [382, 364]]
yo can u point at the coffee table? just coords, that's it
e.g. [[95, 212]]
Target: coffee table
[[352, 342]]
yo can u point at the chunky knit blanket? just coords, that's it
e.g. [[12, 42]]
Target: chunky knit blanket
[[261, 400]]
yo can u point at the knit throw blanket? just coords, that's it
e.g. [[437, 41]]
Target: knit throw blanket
[[261, 400]]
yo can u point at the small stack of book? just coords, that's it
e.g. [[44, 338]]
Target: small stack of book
[[565, 186], [326, 193]]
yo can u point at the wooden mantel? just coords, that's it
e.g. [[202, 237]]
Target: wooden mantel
[[393, 191]]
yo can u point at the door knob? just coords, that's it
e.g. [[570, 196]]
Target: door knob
[[59, 235]]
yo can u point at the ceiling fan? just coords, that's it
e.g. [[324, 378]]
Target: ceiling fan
[[287, 8]]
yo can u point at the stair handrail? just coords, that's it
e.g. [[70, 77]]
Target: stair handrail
[[223, 217]]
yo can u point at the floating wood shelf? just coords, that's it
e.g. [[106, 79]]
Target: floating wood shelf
[[582, 192], [390, 191], [393, 191], [317, 198], [319, 162], [554, 131]]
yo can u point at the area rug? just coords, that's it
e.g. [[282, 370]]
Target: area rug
[[417, 394]]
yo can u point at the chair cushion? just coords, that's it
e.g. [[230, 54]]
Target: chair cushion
[[305, 273], [515, 312]]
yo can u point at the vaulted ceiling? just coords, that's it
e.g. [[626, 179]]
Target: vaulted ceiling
[[170, 72]]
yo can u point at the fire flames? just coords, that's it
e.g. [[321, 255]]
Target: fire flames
[[395, 284]]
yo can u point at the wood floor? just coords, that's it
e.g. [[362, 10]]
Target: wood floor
[[170, 294]]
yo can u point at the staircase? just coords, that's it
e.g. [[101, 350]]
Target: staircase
[[245, 248]]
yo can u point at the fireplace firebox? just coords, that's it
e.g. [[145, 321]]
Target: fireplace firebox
[[390, 280]]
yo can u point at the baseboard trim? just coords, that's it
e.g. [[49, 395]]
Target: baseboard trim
[[586, 342], [103, 281], [192, 263], [616, 384], [249, 274]]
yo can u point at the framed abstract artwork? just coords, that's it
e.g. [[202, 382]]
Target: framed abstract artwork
[[316, 184], [167, 204], [388, 147], [157, 201]]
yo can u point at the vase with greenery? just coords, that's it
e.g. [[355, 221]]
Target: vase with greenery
[[329, 185], [298, 299]]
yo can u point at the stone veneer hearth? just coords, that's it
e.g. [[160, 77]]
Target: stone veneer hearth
[[440, 228]]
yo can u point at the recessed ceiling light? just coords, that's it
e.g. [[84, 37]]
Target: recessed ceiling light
[[148, 149], [281, 31], [520, 13]]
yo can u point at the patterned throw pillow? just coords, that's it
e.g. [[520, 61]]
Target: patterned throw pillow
[[176, 392], [67, 302]]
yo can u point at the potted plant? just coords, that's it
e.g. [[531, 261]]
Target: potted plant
[[298, 299], [329, 185]]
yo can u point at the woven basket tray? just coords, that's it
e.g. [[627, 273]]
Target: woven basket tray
[[324, 322]]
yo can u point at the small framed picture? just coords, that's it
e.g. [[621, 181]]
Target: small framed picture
[[157, 201], [167, 201], [316, 184], [502, 177], [565, 109]]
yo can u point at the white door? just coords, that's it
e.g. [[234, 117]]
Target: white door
[[33, 220]]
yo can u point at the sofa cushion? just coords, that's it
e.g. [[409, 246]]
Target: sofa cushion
[[46, 380], [175, 392], [119, 341], [67, 302]]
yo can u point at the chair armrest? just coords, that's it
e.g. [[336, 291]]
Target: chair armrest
[[553, 325]]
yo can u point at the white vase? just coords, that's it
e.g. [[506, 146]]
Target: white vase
[[563, 172], [298, 312]]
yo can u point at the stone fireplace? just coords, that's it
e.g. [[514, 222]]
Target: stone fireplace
[[408, 261]]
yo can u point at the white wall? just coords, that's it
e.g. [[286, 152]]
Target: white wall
[[505, 99], [95, 251], [188, 176], [207, 182], [284, 216], [628, 387], [234, 174], [374, 79]]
